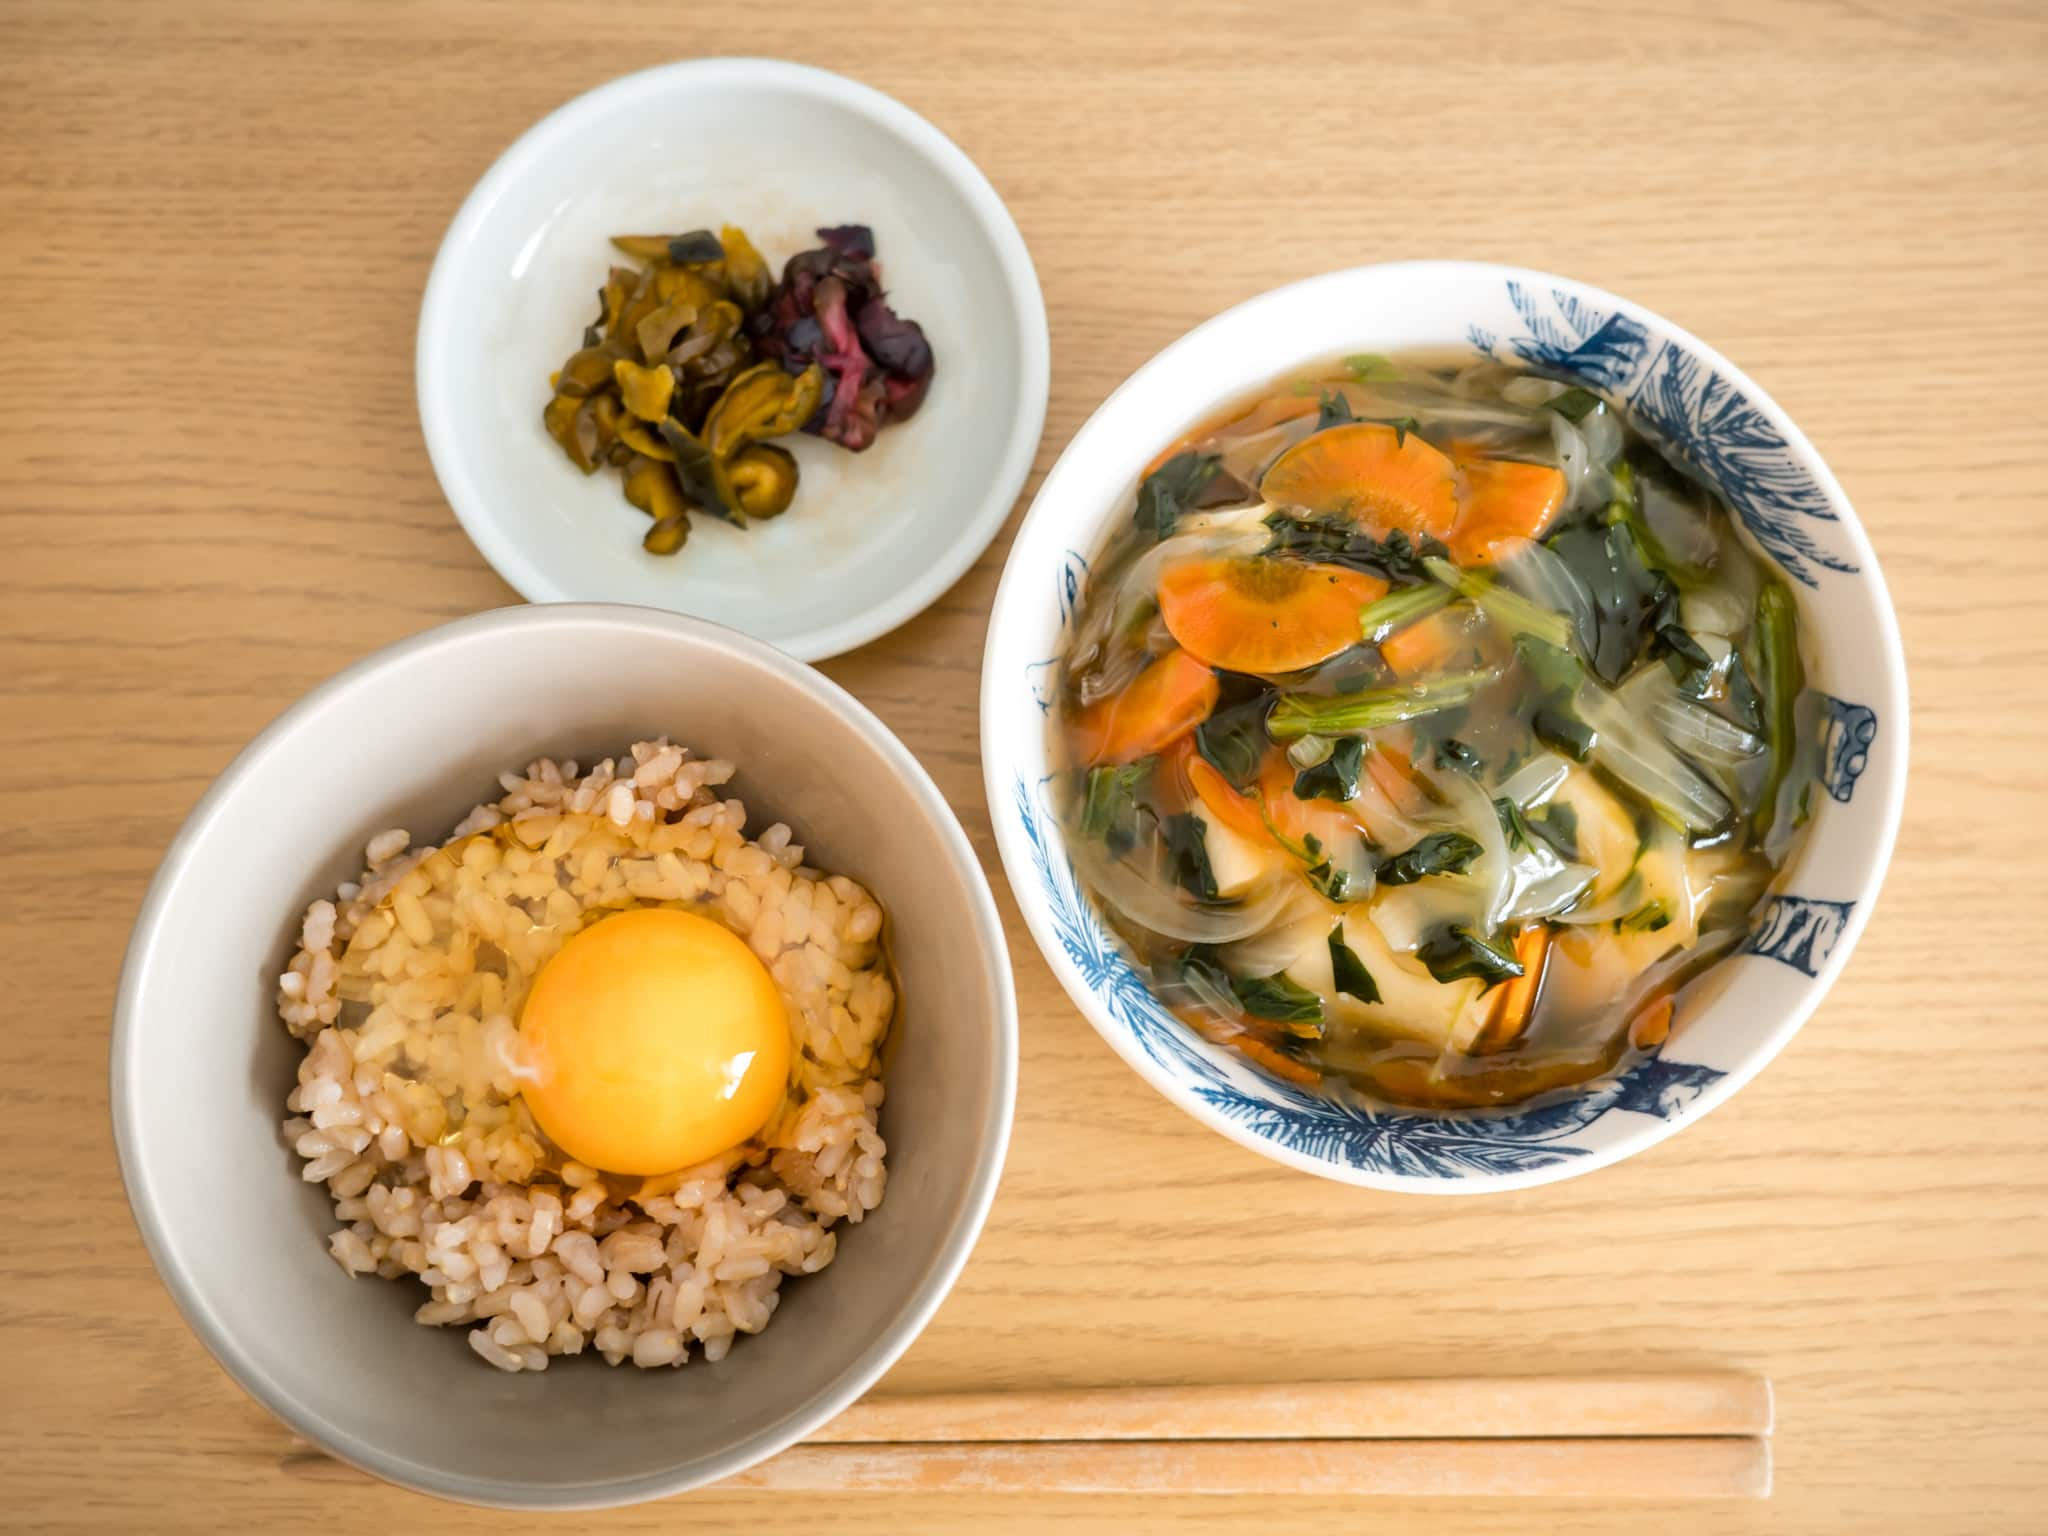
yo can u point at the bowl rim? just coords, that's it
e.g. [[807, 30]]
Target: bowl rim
[[217, 1333], [997, 702], [936, 569]]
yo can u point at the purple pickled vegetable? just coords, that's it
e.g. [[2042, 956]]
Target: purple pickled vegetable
[[830, 309]]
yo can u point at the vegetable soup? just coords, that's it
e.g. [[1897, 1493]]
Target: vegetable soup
[[1427, 732]]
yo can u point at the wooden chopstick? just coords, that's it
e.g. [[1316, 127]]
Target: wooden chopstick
[[1697, 1435], [1700, 1403], [1721, 1468]]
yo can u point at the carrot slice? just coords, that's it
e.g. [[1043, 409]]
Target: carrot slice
[[1160, 705], [1431, 644], [1234, 810], [1269, 412], [1280, 1066], [1251, 614], [1372, 475], [1504, 499]]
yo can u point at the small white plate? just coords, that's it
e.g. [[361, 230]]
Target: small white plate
[[780, 150]]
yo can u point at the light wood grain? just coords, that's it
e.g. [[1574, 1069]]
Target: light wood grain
[[203, 205]]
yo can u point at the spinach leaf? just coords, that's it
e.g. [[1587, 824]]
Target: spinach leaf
[[1333, 410], [1336, 776], [1171, 488], [1453, 753], [1321, 873], [1742, 701], [1690, 666], [1190, 855], [1559, 826], [1349, 971], [1556, 725], [1402, 426], [1557, 675], [1575, 404], [1440, 853], [1453, 953], [1234, 741], [1628, 597], [1280, 998], [1109, 803], [1520, 833], [1396, 557]]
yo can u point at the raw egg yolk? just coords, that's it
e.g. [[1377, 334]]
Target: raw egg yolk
[[655, 1039]]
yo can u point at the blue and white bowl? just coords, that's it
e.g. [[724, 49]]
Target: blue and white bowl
[[1706, 411]]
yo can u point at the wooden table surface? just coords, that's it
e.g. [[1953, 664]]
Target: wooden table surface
[[216, 220]]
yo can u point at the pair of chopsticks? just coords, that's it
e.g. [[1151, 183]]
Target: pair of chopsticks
[[1702, 1435]]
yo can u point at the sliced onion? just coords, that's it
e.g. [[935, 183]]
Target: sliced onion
[[1586, 482], [1532, 391], [1549, 895], [1615, 905], [1539, 575], [1310, 750], [1603, 436], [1678, 523], [1688, 725], [1492, 872], [1632, 749], [1139, 898], [1278, 946], [1536, 780]]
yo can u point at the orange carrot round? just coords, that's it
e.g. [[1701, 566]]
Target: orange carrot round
[[1252, 614], [1156, 708], [1369, 474], [1503, 499]]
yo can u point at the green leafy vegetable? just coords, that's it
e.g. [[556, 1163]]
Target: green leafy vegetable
[[1559, 825], [1557, 726], [1171, 489], [1280, 998], [1439, 853], [1453, 953], [1505, 606], [1778, 659], [1109, 802], [1690, 666], [1575, 404], [1299, 714], [1189, 855], [1740, 698], [1453, 753], [1336, 776], [1333, 410], [1396, 557], [1234, 741], [1351, 975], [1367, 366], [1402, 606]]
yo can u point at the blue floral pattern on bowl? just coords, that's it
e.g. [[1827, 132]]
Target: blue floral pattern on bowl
[[1700, 417]]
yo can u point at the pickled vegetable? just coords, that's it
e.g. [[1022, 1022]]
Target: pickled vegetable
[[699, 356]]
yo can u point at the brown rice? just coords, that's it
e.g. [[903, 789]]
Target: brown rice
[[406, 988]]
